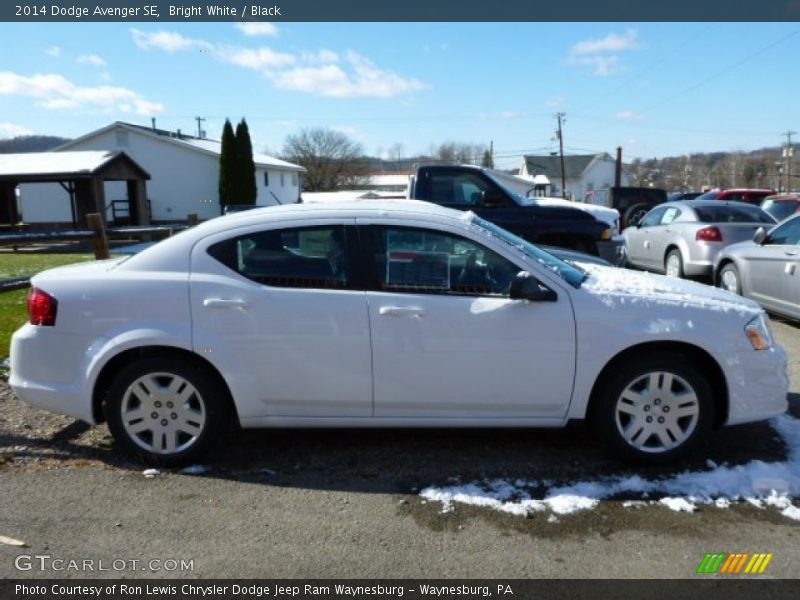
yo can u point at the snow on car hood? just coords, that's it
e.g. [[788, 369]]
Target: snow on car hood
[[609, 215], [615, 287]]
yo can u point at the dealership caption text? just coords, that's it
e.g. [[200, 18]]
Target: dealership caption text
[[152, 11], [274, 591]]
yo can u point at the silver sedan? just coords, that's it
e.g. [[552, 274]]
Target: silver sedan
[[766, 269], [682, 239]]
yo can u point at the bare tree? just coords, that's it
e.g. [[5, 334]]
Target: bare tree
[[465, 153], [332, 160]]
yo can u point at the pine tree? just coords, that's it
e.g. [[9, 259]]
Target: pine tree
[[245, 166], [227, 167], [487, 161]]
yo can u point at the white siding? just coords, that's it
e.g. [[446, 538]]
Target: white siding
[[183, 181]]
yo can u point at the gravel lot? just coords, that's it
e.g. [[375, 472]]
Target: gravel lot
[[346, 504]]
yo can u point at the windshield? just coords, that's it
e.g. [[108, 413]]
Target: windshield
[[569, 273], [731, 213], [708, 196]]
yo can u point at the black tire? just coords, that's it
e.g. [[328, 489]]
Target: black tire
[[674, 255], [634, 214], [207, 407], [647, 448], [727, 272]]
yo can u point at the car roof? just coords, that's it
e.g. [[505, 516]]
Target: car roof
[[172, 253], [708, 203]]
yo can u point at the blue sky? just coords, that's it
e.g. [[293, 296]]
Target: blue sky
[[656, 88]]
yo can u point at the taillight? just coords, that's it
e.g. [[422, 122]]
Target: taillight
[[708, 234], [42, 308]]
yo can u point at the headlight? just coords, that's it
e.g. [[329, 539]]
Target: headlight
[[608, 233], [758, 332]]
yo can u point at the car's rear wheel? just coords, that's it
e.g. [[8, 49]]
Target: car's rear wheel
[[635, 214], [673, 265], [655, 409], [166, 411], [729, 279]]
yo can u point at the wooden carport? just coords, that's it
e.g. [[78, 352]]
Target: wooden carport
[[81, 174]]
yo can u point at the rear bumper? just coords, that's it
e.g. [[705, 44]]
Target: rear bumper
[[56, 385], [613, 251]]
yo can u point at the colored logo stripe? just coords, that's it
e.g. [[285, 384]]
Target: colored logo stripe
[[734, 563]]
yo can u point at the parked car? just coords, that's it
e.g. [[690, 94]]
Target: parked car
[[766, 269], [386, 314], [631, 202], [489, 194], [675, 196], [748, 195], [781, 207], [683, 238]]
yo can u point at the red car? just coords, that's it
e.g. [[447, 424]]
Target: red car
[[751, 196]]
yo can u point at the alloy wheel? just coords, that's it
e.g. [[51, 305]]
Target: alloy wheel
[[656, 412]]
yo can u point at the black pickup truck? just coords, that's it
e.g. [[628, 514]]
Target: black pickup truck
[[474, 188]]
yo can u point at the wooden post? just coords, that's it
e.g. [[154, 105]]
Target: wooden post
[[192, 219], [100, 240]]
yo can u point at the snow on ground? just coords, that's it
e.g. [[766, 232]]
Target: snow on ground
[[759, 483]]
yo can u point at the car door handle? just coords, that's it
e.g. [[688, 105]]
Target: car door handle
[[790, 252], [224, 303], [401, 311]]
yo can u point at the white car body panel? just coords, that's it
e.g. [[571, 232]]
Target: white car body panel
[[319, 362]]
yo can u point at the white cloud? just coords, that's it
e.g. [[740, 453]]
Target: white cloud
[[92, 59], [322, 72], [12, 130], [320, 57], [53, 51], [629, 115], [105, 76], [359, 78], [602, 54], [557, 101], [253, 58], [254, 29], [168, 41], [602, 65], [56, 92]]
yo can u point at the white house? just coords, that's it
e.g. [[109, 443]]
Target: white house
[[184, 171], [584, 173]]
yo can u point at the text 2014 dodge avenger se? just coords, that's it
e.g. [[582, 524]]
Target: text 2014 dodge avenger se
[[386, 314]]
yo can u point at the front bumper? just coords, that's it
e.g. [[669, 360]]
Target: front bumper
[[613, 251], [758, 385]]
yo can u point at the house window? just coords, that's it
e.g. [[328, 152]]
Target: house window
[[294, 180], [266, 179], [282, 182], [122, 139]]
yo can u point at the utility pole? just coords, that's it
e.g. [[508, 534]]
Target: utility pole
[[788, 154], [199, 126], [561, 119]]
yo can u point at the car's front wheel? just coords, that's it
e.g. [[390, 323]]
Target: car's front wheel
[[167, 412], [654, 410], [729, 279]]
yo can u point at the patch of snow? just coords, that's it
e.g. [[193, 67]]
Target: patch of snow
[[195, 470], [678, 504], [614, 287], [759, 483], [150, 473]]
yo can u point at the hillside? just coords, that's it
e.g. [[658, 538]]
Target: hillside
[[31, 143]]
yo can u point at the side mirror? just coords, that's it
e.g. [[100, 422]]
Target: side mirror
[[525, 286], [760, 236]]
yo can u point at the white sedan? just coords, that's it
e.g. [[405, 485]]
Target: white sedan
[[386, 314]]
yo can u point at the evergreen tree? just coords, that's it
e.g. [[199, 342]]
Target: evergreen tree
[[487, 161], [227, 167], [245, 166]]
